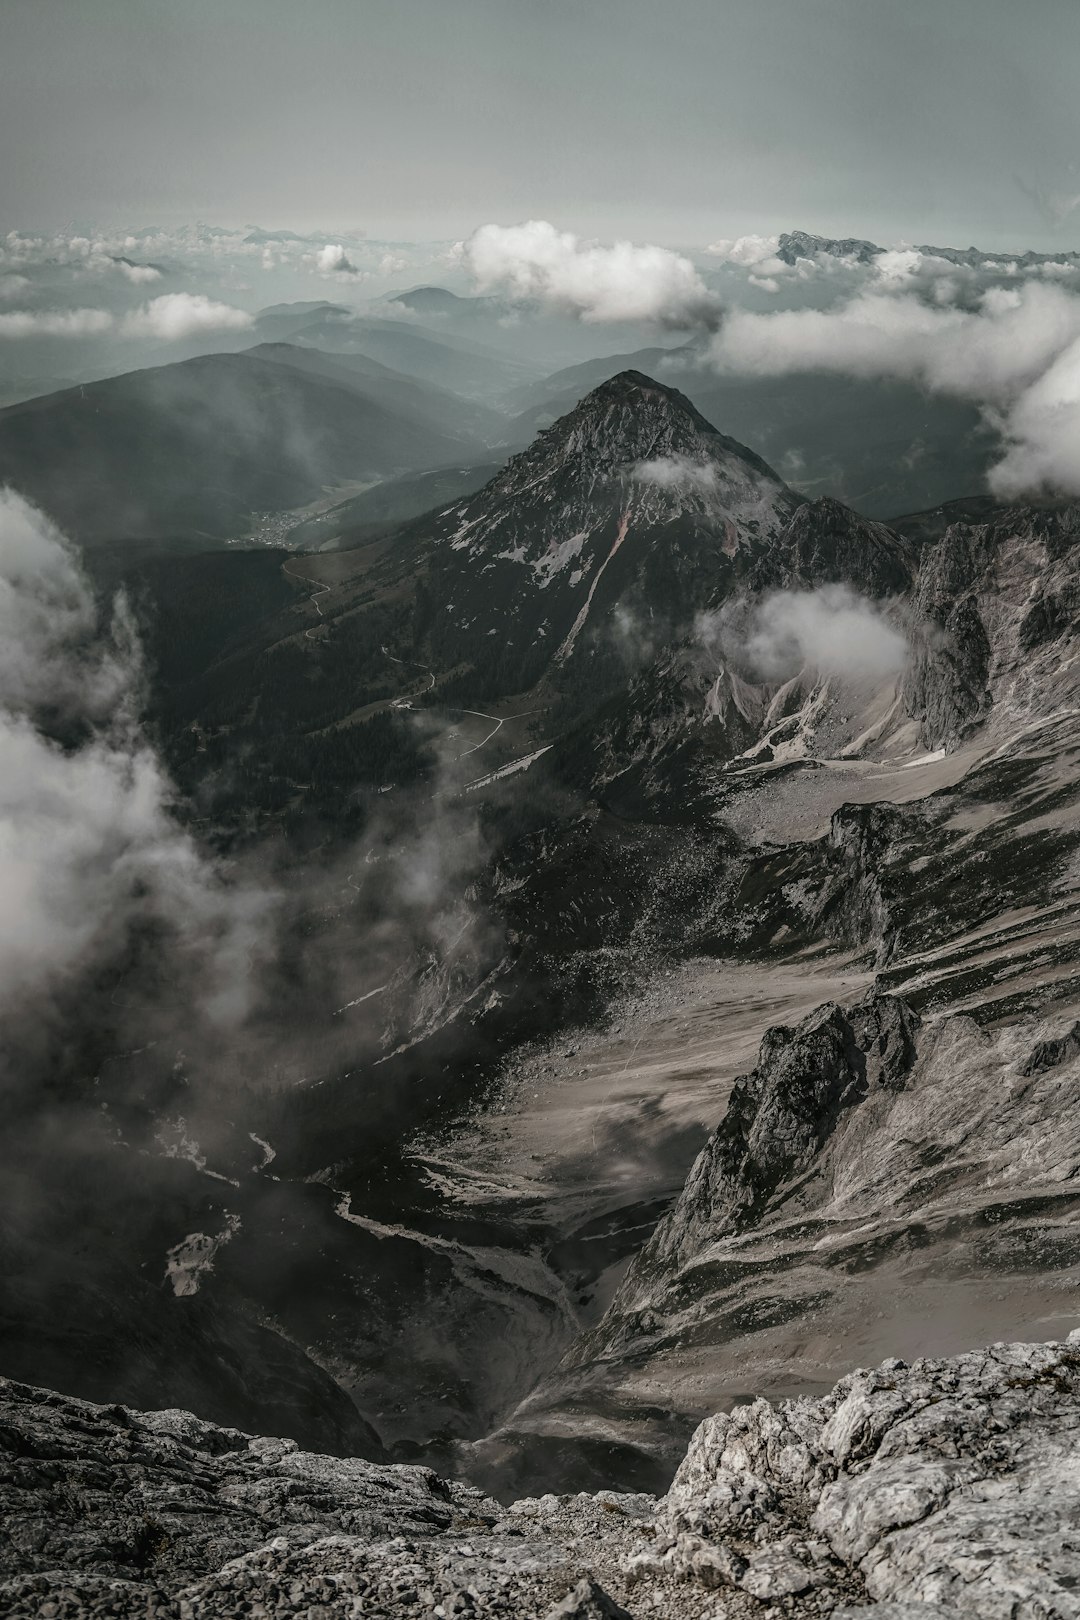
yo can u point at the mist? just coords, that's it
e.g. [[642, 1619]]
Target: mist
[[831, 630], [91, 849]]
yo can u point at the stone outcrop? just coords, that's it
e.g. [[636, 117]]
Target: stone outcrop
[[947, 1487], [881, 1184]]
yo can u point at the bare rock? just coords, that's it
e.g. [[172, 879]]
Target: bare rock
[[909, 1492], [588, 1601]]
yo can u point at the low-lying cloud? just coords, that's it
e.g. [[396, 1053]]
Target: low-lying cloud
[[534, 262], [180, 315], [171, 316], [63, 323], [831, 630], [90, 852], [676, 472], [1016, 353]]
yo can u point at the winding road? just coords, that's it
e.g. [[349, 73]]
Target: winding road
[[404, 703], [314, 595]]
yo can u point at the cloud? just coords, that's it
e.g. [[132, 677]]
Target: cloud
[[90, 852], [137, 273], [623, 282], [1016, 353], [831, 630], [675, 472], [332, 260], [170, 317], [1042, 433], [746, 251], [66, 323], [180, 315], [986, 353]]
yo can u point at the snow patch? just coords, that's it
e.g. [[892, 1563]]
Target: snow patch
[[188, 1261], [557, 556]]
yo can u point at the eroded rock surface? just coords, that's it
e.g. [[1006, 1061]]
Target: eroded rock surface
[[947, 1487], [879, 1184]]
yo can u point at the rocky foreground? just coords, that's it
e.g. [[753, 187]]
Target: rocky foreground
[[947, 1487]]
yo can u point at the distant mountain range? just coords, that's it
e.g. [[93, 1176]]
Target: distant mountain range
[[198, 447], [193, 448], [794, 245]]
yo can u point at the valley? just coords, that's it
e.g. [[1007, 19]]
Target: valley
[[570, 809]]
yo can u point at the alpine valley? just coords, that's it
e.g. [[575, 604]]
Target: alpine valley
[[665, 968]]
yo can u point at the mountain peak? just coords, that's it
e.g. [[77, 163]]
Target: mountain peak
[[630, 421], [635, 388]]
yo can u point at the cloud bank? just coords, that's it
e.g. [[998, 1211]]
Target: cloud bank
[[623, 282], [1016, 353], [170, 317], [180, 315], [63, 323]]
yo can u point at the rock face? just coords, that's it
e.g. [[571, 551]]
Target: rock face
[[947, 682], [941, 1488], [878, 1184], [950, 1483], [780, 1116], [827, 543]]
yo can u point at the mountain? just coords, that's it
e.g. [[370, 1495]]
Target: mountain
[[883, 447], [440, 302], [633, 505], [694, 1023], [631, 498], [795, 245], [449, 359], [424, 403], [201, 446]]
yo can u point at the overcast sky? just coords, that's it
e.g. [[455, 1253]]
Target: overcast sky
[[952, 121]]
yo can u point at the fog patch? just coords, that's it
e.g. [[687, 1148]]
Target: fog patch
[[830, 629], [170, 317], [676, 472], [90, 851]]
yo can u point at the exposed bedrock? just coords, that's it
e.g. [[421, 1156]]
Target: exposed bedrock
[[878, 1185], [941, 1488]]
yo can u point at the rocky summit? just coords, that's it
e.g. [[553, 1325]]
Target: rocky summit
[[910, 1492]]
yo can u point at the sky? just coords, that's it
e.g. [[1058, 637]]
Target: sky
[[948, 121]]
